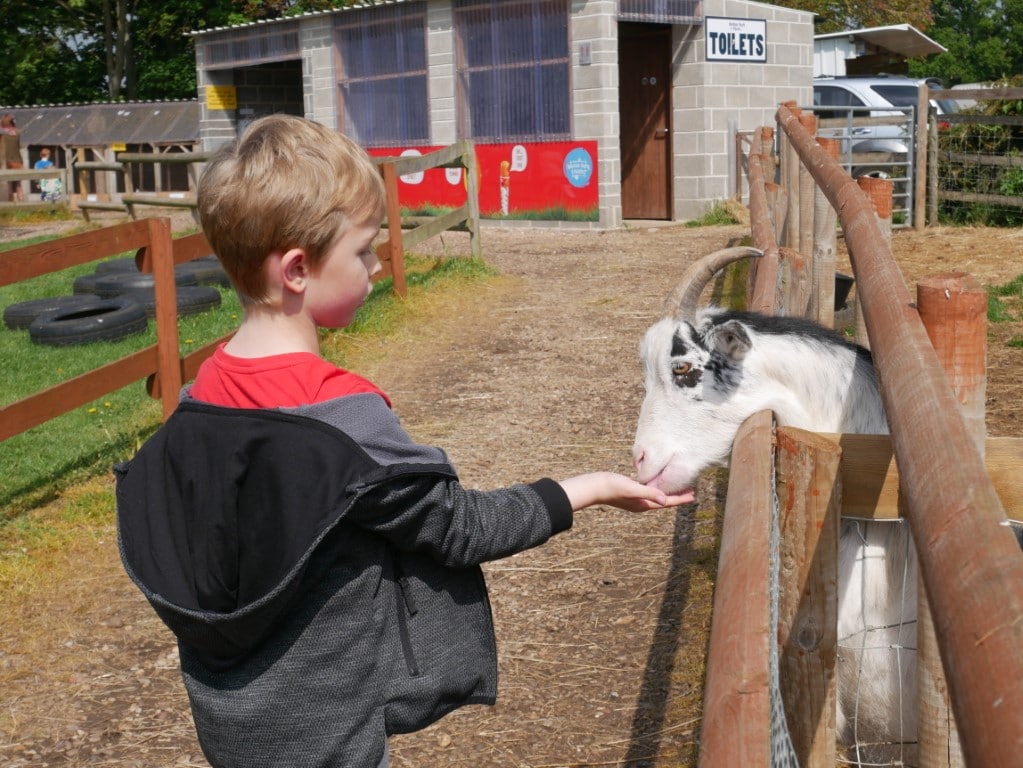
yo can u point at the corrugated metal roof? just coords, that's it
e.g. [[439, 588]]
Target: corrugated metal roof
[[91, 125], [307, 14]]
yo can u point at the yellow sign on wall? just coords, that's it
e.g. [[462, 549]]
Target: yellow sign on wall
[[221, 97], [119, 146]]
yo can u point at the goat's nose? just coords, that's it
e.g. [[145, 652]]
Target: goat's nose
[[637, 459]]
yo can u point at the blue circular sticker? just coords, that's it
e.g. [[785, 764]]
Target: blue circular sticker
[[578, 167]]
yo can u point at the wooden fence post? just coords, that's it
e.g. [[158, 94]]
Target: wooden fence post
[[809, 492], [764, 271], [472, 186], [953, 308], [825, 246], [932, 170], [879, 194], [923, 109], [736, 701], [790, 180], [158, 258], [794, 280], [806, 194], [393, 251]]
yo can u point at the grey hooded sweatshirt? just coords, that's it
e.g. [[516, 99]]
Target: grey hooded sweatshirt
[[320, 571]]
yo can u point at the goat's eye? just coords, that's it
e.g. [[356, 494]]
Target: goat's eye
[[685, 375]]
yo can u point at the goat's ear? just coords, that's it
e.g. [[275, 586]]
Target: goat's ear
[[731, 340]]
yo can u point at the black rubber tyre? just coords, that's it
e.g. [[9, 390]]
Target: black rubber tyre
[[85, 285], [20, 316], [109, 286], [206, 272], [107, 320], [192, 299], [116, 266]]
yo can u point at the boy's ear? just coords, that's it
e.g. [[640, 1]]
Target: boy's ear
[[294, 269]]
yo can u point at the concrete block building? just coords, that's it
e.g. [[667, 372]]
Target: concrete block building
[[594, 111]]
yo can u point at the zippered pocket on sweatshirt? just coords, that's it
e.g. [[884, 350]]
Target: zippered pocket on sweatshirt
[[406, 609]]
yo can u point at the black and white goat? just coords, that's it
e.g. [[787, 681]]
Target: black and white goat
[[705, 372]]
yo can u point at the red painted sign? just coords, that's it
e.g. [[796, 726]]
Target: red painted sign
[[552, 181]]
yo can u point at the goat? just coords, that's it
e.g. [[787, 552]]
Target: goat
[[705, 372]]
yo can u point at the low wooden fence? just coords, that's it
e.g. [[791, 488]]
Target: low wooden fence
[[26, 176], [465, 218], [976, 166], [460, 155], [160, 363], [130, 198], [950, 484]]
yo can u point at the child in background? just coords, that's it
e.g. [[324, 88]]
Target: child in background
[[319, 568], [50, 189]]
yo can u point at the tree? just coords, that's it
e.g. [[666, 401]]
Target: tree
[[64, 51], [984, 39], [839, 15], [42, 64], [98, 50], [273, 9]]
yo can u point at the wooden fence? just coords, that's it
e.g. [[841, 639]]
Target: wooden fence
[[948, 485], [391, 253], [465, 218], [26, 176], [983, 168], [156, 252], [130, 198], [161, 364]]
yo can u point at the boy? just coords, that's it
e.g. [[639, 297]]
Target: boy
[[319, 569]]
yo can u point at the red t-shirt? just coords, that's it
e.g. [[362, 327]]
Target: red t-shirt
[[276, 381]]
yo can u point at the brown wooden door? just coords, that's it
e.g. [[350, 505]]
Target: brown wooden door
[[644, 88]]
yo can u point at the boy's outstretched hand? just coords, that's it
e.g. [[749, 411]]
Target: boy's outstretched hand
[[619, 491]]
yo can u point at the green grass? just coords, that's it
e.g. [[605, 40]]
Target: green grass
[[40, 463], [1005, 302], [716, 217], [36, 216]]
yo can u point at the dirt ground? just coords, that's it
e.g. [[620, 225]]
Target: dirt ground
[[602, 632]]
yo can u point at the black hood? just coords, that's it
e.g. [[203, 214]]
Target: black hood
[[222, 547]]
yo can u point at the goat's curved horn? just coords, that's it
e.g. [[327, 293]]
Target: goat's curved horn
[[683, 300]]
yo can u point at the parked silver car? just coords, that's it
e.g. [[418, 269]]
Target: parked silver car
[[889, 97]]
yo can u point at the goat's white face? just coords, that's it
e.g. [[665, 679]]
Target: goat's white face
[[693, 407]]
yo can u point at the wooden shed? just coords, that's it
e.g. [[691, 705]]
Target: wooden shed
[[97, 132]]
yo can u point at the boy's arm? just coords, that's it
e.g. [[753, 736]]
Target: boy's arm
[[462, 527], [458, 526]]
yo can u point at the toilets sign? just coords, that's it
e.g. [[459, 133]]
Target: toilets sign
[[736, 39]]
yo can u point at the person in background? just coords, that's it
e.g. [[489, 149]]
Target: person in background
[[12, 153], [50, 189]]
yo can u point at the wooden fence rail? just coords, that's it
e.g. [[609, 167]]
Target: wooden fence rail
[[971, 564], [28, 175], [465, 218], [151, 238]]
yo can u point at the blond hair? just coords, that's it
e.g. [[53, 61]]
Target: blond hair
[[286, 183]]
